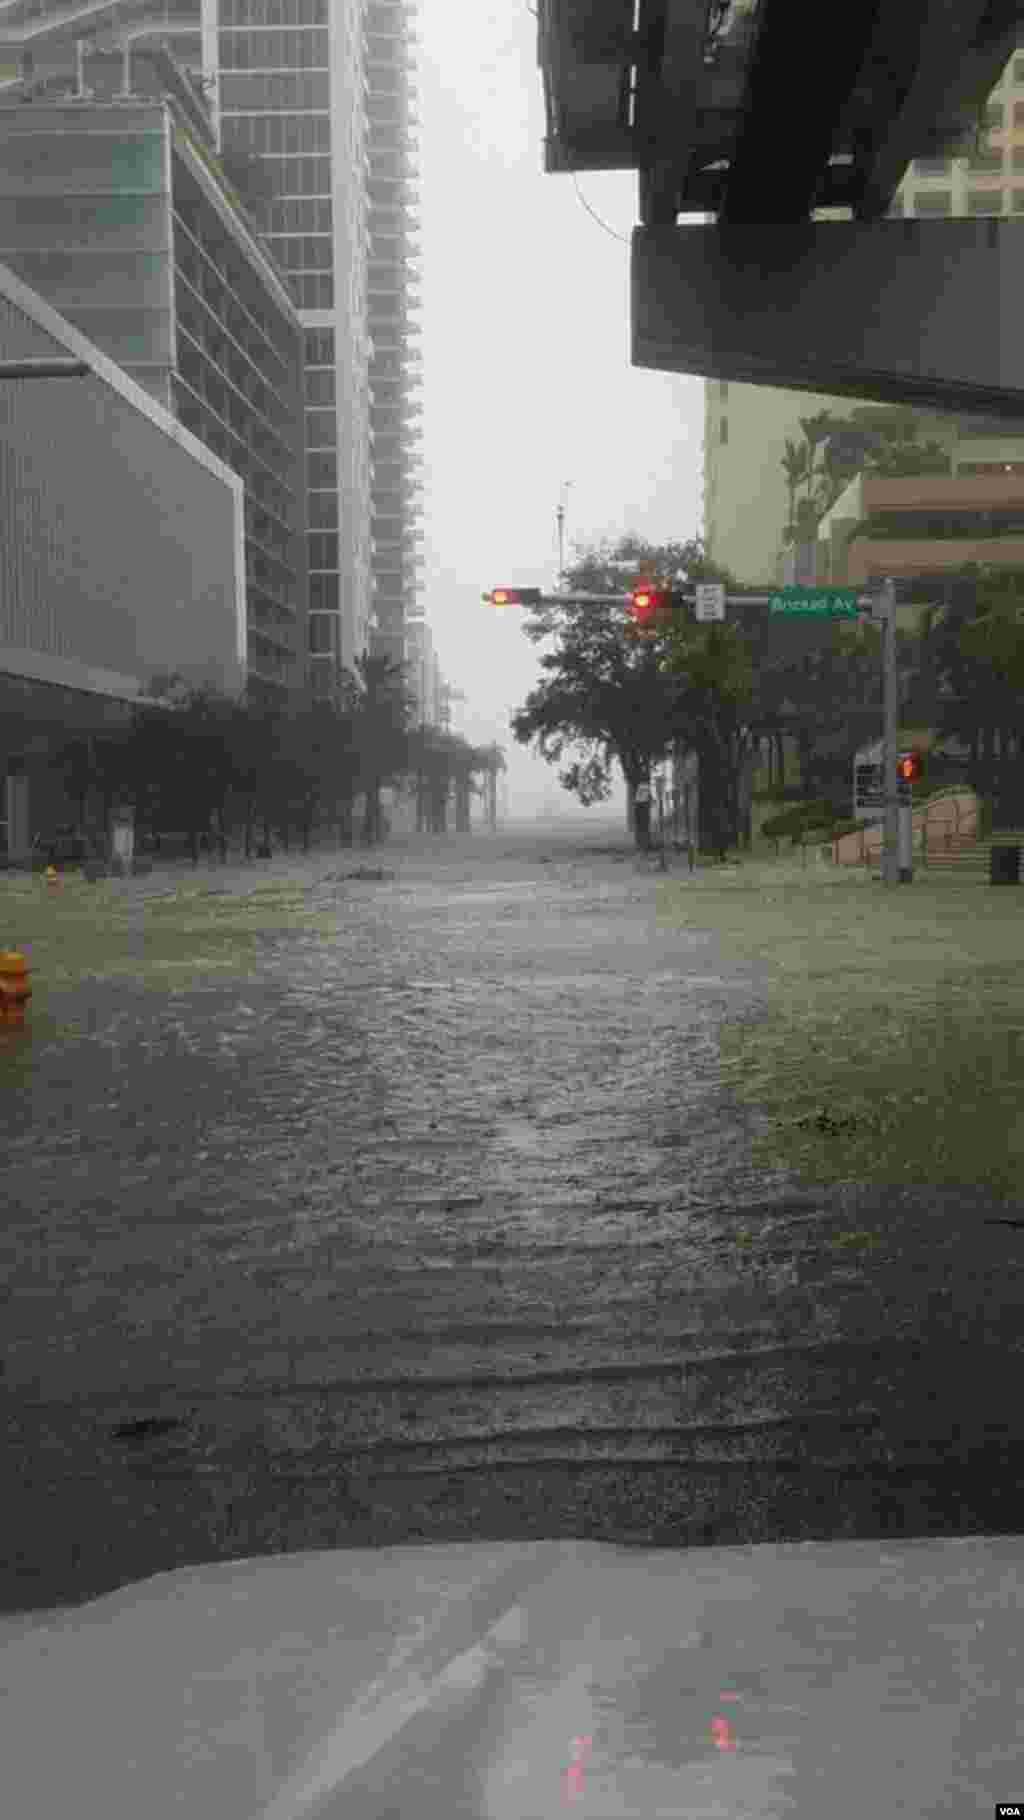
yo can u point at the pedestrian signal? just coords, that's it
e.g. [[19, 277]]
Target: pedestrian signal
[[908, 767]]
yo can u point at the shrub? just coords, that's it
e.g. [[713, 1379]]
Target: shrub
[[799, 820]]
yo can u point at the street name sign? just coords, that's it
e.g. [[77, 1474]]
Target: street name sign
[[818, 603]]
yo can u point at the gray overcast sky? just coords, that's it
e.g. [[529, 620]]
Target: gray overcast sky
[[526, 376]]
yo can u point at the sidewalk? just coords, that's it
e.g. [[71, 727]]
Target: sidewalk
[[483, 1682]]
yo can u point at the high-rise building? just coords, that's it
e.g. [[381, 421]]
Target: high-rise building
[[113, 208], [290, 88], [307, 111], [392, 301], [746, 497], [285, 89], [121, 558]]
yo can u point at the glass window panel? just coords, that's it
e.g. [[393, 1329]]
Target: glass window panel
[[324, 593], [323, 551], [322, 470], [320, 386], [323, 511]]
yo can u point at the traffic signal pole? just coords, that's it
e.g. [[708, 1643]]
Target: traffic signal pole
[[897, 850]]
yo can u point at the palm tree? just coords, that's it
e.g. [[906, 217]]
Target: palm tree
[[795, 466]]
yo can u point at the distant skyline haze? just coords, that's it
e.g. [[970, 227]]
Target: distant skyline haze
[[527, 383]]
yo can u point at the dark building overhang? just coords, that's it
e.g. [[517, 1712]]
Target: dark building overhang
[[766, 110]]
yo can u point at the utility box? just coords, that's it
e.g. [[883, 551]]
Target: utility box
[[1004, 865]]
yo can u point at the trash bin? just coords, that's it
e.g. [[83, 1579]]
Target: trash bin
[[1005, 864]]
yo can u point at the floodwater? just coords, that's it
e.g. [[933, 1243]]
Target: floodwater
[[442, 1226]]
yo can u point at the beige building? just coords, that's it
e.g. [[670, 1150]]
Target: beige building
[[746, 427]]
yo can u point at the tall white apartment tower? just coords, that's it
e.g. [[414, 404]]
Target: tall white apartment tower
[[393, 293], [290, 91]]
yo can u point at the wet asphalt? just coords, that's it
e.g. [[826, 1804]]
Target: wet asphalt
[[427, 1231]]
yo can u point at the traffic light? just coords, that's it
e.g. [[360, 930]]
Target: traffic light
[[908, 767], [513, 597], [648, 608]]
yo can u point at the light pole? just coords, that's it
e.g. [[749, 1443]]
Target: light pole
[[897, 848], [560, 516]]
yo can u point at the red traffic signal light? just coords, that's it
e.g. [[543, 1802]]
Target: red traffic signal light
[[648, 605], [908, 767], [513, 597]]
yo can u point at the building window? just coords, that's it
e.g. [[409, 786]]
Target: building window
[[322, 469], [324, 593], [1018, 202], [723, 389], [1018, 113], [270, 93], [322, 511], [319, 344], [321, 430], [1018, 157], [323, 552], [315, 292], [994, 114], [984, 202], [323, 632], [320, 385], [723, 430], [990, 159], [273, 50], [933, 202], [1018, 69], [931, 167], [273, 12]]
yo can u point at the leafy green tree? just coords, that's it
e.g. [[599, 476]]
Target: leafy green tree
[[979, 661], [601, 694], [873, 439]]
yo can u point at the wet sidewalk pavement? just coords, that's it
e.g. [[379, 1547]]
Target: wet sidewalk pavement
[[511, 1681], [428, 1230]]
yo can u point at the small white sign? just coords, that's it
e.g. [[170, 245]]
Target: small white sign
[[711, 600]]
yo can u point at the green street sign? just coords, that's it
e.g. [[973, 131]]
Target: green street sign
[[822, 603]]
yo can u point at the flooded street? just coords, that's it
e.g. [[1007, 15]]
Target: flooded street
[[443, 1226]]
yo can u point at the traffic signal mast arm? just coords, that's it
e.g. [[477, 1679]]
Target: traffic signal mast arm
[[678, 597]]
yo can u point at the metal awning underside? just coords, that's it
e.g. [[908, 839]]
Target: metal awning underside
[[766, 110]]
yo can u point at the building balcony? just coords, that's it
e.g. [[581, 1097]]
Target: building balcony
[[870, 559], [943, 492]]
